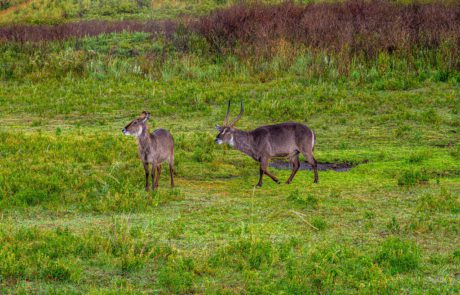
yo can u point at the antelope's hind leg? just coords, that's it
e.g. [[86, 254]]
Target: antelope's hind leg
[[171, 171], [312, 161], [157, 178]]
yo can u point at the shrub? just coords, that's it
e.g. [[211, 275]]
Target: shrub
[[40, 33], [358, 27]]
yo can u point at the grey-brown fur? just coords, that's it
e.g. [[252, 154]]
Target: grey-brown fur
[[154, 148], [286, 140]]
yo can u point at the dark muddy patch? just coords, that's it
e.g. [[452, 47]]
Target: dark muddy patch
[[338, 167]]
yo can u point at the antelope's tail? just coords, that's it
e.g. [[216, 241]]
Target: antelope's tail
[[313, 140]]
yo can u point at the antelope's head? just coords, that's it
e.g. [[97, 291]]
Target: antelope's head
[[227, 130], [137, 126]]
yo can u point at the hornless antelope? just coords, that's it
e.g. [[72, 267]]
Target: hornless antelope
[[154, 148], [267, 142]]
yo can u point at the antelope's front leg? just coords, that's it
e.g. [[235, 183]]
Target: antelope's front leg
[[264, 169], [146, 168], [154, 168], [261, 176]]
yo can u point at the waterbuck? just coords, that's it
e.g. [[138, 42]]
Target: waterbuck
[[154, 148], [285, 140]]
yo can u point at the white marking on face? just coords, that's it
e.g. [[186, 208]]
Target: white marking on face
[[139, 132], [219, 141]]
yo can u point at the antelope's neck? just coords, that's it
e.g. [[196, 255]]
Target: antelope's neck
[[242, 141], [144, 139]]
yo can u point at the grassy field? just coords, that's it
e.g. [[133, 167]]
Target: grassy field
[[74, 216], [57, 11]]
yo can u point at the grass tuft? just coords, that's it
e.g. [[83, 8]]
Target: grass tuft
[[444, 201], [412, 177], [307, 200], [177, 276], [398, 256]]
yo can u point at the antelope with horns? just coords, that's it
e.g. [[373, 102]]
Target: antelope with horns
[[286, 140], [154, 148]]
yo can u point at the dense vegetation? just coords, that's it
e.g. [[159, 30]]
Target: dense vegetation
[[386, 98]]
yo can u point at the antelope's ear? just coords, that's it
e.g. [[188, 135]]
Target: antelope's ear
[[218, 127], [145, 116]]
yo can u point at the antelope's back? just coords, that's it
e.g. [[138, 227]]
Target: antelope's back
[[164, 138], [284, 138]]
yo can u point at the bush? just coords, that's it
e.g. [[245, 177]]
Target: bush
[[40, 33], [362, 28]]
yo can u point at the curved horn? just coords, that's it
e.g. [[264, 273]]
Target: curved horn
[[228, 113], [239, 115]]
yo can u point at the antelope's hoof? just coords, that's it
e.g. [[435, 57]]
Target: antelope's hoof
[[288, 182], [258, 185]]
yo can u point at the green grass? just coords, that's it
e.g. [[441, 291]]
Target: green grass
[[51, 11], [58, 11], [74, 216]]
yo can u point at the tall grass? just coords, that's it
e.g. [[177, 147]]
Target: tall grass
[[391, 46]]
